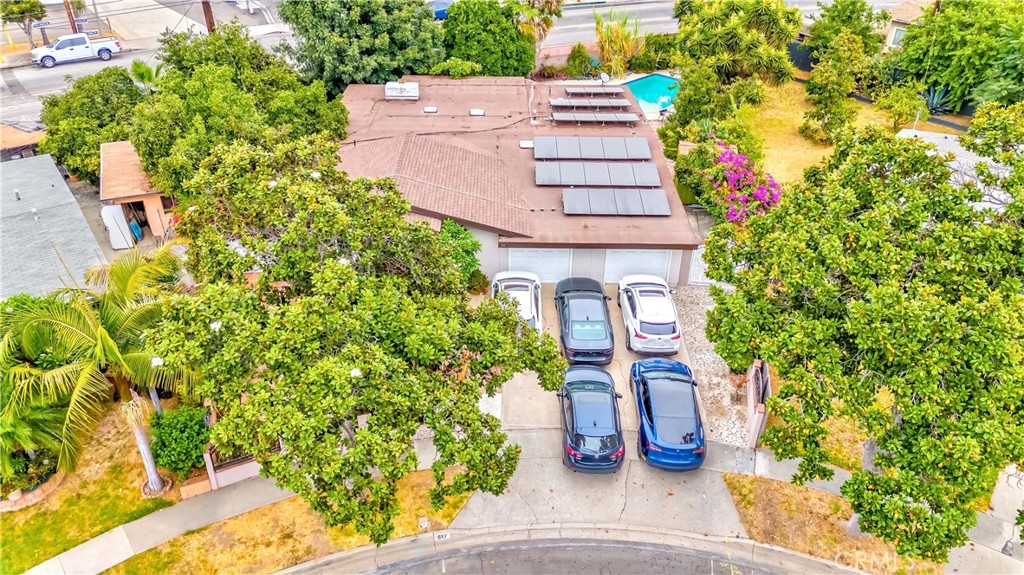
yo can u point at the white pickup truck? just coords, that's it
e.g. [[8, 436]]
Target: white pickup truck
[[75, 47]]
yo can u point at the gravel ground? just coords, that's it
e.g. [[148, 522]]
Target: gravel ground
[[725, 405]]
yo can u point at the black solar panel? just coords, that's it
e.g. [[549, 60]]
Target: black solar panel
[[576, 201], [628, 203], [544, 148], [614, 148], [548, 174], [602, 203], [638, 149], [621, 175], [573, 174], [646, 175], [591, 174], [655, 203], [591, 147], [596, 174], [568, 148]]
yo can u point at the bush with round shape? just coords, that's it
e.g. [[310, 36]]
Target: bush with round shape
[[179, 439]]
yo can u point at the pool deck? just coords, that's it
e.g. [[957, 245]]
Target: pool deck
[[650, 115]]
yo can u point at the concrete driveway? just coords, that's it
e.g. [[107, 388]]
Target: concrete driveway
[[545, 491]]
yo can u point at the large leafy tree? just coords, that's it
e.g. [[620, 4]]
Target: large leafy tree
[[487, 32], [95, 109], [1004, 80], [856, 17], [879, 291], [739, 38], [344, 42], [956, 45], [23, 13], [829, 87], [69, 350], [356, 335]]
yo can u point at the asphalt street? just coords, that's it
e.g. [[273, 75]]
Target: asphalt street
[[571, 557]]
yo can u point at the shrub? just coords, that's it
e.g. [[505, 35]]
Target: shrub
[[578, 64], [456, 68], [179, 439], [478, 282], [550, 72], [464, 246], [29, 473], [903, 102], [739, 189]]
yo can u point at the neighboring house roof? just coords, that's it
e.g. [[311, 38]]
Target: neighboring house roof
[[45, 241], [121, 174], [12, 137], [909, 10], [473, 169], [963, 165], [442, 181]]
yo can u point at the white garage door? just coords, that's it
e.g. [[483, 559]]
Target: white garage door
[[550, 265], [620, 263]]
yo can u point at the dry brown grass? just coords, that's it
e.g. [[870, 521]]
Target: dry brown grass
[[280, 535], [813, 522], [786, 152]]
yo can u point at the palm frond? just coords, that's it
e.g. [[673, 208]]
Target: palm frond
[[90, 390], [144, 374]]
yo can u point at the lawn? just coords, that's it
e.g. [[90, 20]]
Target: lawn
[[281, 535], [102, 494], [813, 522], [786, 152]]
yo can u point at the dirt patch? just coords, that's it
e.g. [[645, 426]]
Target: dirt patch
[[813, 522]]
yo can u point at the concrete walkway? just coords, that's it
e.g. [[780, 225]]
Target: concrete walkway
[[121, 543]]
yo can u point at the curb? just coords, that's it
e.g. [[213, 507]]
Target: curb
[[370, 558]]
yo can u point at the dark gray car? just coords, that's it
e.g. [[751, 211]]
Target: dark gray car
[[586, 329]]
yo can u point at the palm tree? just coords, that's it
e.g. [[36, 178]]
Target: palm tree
[[618, 42], [134, 413], [33, 428], [537, 17], [70, 349], [146, 75]]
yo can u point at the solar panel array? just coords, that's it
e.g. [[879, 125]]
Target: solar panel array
[[590, 103], [590, 148], [627, 174], [592, 90], [595, 118], [615, 202]]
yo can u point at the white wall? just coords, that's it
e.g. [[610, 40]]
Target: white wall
[[490, 263]]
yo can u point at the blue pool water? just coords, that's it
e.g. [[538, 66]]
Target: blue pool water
[[654, 92]]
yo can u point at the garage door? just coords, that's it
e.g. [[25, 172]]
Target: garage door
[[550, 265], [620, 263]]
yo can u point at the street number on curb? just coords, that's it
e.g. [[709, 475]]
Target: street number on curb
[[440, 536]]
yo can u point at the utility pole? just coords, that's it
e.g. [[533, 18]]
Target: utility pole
[[71, 17], [207, 13]]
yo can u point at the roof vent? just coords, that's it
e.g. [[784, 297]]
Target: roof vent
[[476, 111], [526, 144], [430, 109], [402, 91]]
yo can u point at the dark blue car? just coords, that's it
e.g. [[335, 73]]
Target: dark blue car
[[591, 433], [671, 434]]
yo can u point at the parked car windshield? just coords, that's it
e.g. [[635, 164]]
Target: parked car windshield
[[588, 330], [658, 328], [595, 422]]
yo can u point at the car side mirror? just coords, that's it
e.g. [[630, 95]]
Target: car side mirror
[[607, 298], [672, 291], [618, 395]]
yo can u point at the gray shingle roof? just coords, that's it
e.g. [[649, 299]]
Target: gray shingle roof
[[31, 240]]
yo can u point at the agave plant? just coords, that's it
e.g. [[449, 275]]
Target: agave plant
[[71, 349], [937, 100]]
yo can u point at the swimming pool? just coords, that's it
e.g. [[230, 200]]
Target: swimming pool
[[654, 92]]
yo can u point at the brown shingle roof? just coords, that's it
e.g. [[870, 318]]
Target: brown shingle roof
[[11, 137], [121, 174], [909, 10], [441, 180]]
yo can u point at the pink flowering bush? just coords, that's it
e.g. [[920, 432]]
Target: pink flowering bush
[[738, 188]]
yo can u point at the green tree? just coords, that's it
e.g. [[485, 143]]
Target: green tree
[[854, 16], [739, 38], [342, 42], [618, 42], [957, 45], [828, 89], [878, 292], [1004, 81], [22, 13], [903, 102], [95, 109], [488, 33], [456, 68], [344, 362], [464, 247], [70, 350], [578, 63]]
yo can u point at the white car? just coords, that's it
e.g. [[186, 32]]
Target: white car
[[524, 287], [74, 47], [649, 315]]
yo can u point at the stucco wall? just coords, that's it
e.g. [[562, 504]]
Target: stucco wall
[[490, 263]]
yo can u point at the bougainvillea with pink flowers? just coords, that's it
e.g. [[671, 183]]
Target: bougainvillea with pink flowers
[[739, 188]]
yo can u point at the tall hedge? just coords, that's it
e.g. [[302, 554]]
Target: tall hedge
[[488, 33]]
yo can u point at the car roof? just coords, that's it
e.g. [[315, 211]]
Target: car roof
[[584, 309], [674, 411], [527, 276], [664, 364], [593, 409], [578, 285], [589, 374], [643, 279], [655, 308]]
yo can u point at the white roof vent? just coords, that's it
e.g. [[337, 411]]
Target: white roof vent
[[526, 144], [476, 111], [430, 109], [402, 91]]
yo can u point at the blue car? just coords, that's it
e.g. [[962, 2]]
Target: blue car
[[440, 8], [671, 434], [591, 432]]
